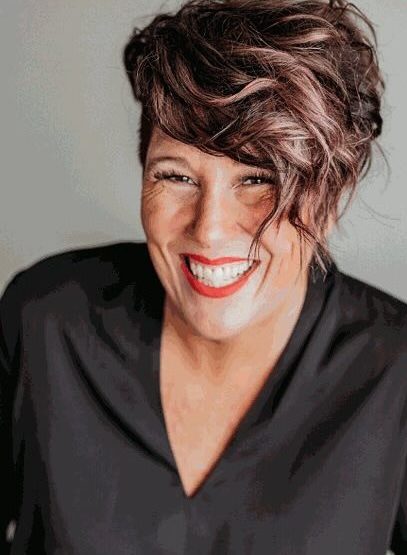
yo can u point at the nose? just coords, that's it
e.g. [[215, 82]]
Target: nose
[[214, 218]]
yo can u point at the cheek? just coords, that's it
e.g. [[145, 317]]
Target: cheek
[[283, 241], [159, 215], [254, 209]]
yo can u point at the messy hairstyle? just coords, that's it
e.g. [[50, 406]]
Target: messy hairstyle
[[293, 86]]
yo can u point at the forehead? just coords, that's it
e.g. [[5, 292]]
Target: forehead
[[162, 146], [158, 137], [161, 143]]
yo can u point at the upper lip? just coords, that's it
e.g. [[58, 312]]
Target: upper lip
[[213, 261]]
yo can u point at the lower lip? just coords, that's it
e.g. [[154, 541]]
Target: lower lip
[[215, 292]]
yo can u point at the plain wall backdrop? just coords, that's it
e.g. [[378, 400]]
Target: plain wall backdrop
[[70, 173]]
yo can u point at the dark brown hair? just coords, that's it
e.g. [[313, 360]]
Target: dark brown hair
[[291, 86]]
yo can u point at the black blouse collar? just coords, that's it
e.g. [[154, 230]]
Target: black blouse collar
[[124, 346]]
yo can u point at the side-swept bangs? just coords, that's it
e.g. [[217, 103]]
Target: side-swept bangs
[[291, 86]]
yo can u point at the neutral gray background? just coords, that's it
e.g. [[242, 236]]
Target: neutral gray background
[[68, 138]]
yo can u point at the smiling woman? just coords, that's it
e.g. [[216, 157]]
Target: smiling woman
[[191, 394], [246, 69], [214, 212]]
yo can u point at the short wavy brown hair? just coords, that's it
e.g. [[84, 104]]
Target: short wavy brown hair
[[291, 86]]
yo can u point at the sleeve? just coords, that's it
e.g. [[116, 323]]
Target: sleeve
[[9, 337], [398, 543]]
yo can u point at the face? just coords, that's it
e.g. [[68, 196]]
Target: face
[[198, 208]]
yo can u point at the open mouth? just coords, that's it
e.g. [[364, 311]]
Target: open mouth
[[219, 277]]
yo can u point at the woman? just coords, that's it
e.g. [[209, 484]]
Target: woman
[[185, 395]]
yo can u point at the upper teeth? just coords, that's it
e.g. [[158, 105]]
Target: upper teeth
[[217, 274]]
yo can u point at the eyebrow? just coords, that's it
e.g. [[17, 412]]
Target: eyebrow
[[181, 160], [154, 161]]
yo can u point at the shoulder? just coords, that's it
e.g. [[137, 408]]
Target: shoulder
[[359, 298], [368, 311], [92, 274], [96, 265]]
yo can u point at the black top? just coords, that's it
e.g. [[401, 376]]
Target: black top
[[316, 467]]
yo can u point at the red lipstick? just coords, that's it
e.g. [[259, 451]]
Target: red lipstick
[[215, 292], [213, 261]]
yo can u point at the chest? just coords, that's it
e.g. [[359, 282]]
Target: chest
[[201, 415], [198, 432]]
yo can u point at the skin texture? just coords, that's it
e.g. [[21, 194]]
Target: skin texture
[[213, 212], [216, 353]]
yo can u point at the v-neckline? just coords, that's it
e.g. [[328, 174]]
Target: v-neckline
[[264, 404], [124, 376]]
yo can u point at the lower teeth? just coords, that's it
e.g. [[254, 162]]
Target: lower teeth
[[223, 283]]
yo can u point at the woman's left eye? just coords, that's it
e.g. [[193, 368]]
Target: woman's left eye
[[259, 179]]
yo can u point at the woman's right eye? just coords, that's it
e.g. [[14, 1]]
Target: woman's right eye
[[174, 177]]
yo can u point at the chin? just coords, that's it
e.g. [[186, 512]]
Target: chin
[[216, 331]]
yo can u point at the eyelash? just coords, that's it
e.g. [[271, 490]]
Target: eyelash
[[268, 178]]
